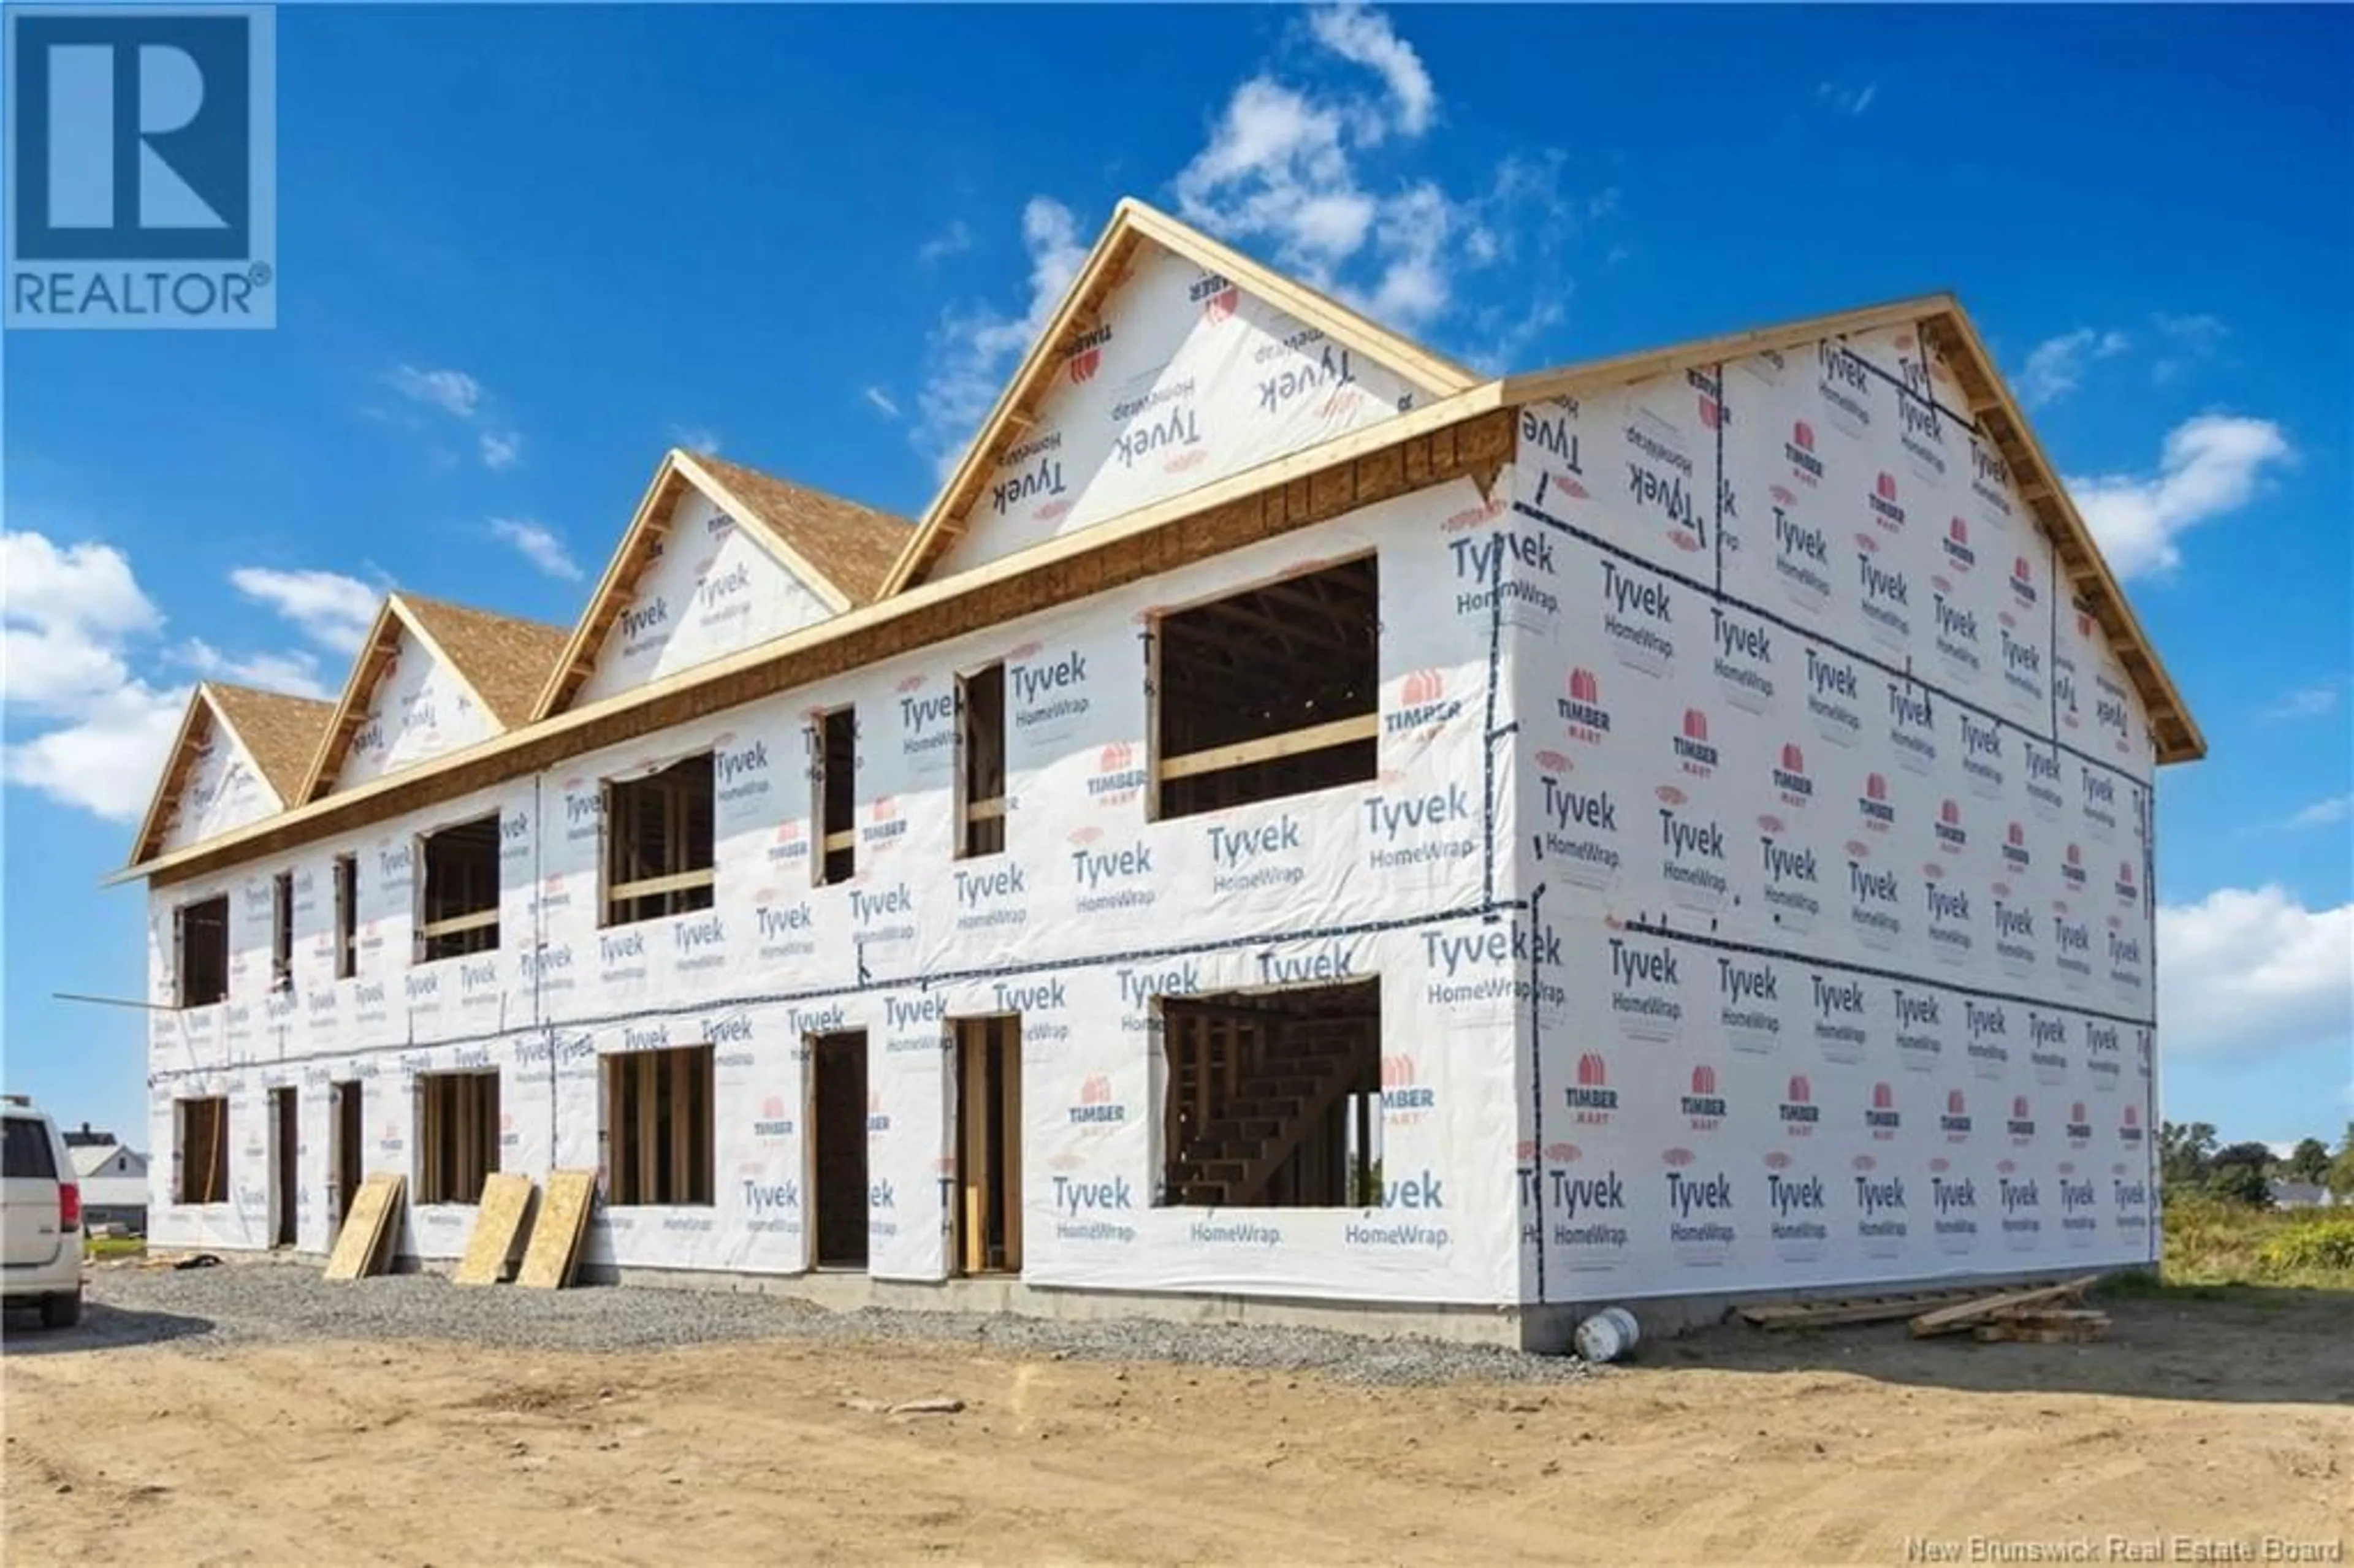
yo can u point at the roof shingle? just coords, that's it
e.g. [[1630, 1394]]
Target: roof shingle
[[854, 545], [505, 658], [282, 733]]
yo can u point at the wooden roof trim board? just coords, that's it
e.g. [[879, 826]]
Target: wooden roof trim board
[[1105, 269], [376, 650], [1997, 412], [175, 772], [678, 472], [1465, 434], [1994, 412]]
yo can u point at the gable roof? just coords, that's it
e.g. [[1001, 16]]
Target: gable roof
[[498, 657], [504, 659], [278, 731], [840, 549], [1106, 267], [281, 733], [1993, 414], [850, 545]]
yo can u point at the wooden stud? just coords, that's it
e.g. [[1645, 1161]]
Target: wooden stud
[[682, 1126], [1008, 1066], [1291, 743], [648, 1129]]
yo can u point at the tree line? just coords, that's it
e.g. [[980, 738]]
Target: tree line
[[2189, 1161]]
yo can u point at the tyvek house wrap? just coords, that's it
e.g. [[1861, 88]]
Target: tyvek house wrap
[[224, 789], [714, 586], [1093, 914], [419, 708], [1855, 894], [1742, 919], [1188, 378]]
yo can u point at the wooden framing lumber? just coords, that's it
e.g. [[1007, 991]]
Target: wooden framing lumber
[[652, 886], [1845, 1311], [1269, 749], [457, 923], [553, 1255], [498, 1226], [1984, 1308]]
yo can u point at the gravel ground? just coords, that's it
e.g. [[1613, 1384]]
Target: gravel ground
[[206, 1310]]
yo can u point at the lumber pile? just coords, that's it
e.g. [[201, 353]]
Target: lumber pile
[[2038, 1315], [1843, 1311], [2043, 1314]]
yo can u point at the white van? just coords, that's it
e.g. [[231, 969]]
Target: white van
[[40, 1216]]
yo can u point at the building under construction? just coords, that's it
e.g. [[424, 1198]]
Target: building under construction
[[1297, 827]]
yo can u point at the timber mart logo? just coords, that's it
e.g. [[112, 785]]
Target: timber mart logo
[[1800, 1115], [1581, 709], [1592, 1097], [1084, 357], [1693, 753], [1118, 777], [141, 164]]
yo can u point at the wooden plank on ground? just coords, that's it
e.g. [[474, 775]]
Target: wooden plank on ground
[[498, 1226], [554, 1250], [1848, 1309], [2030, 1334], [1971, 1314], [361, 1245]]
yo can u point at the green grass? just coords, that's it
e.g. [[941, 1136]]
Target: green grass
[[112, 1246], [2212, 1243]]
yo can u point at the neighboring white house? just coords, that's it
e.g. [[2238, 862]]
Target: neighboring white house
[[2289, 1194], [1297, 821], [114, 1185]]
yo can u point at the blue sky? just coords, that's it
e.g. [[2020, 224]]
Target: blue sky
[[522, 250]]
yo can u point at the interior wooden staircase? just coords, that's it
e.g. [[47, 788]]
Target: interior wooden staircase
[[1257, 1111]]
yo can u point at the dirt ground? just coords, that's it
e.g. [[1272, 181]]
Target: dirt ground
[[2226, 1419]]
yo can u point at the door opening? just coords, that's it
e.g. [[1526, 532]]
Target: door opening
[[347, 1167], [285, 1166], [838, 1096], [989, 1145]]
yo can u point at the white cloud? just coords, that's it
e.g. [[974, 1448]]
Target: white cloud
[[331, 610], [107, 761], [1843, 99], [953, 240], [67, 614], [2211, 466], [93, 733], [2055, 366], [500, 448], [880, 401], [453, 392], [1299, 167], [973, 349], [1364, 37], [295, 672], [695, 439], [2248, 972], [537, 545], [2323, 813], [2317, 700]]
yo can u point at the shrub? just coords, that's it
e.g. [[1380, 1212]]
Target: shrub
[[2323, 1242]]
